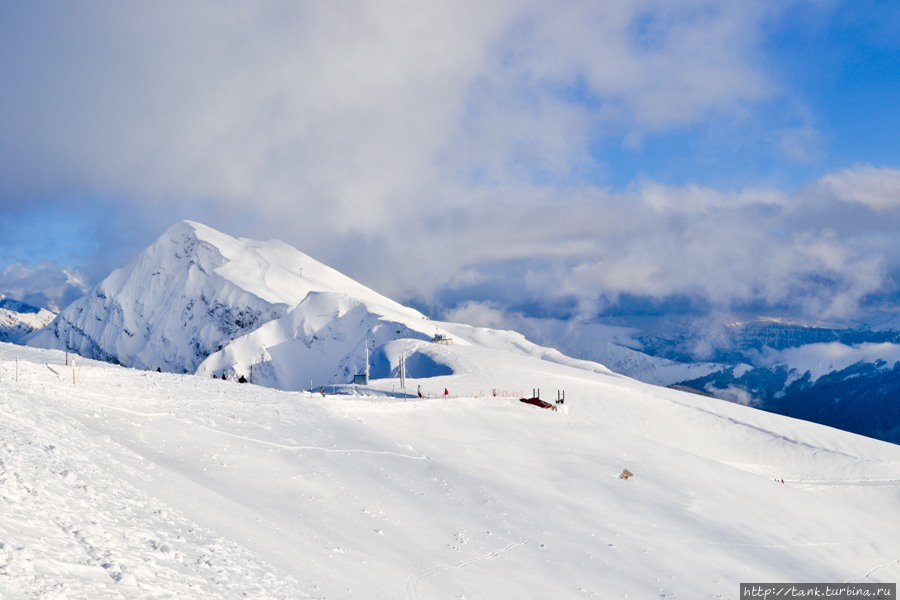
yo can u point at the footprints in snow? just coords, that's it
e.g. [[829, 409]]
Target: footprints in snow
[[70, 521]]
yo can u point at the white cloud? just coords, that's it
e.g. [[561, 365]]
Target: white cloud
[[733, 394], [875, 188], [483, 314], [573, 337], [824, 358], [46, 285], [420, 146], [753, 247], [350, 110]]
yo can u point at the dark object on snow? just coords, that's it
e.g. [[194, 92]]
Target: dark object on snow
[[158, 370], [223, 377], [626, 474], [537, 402], [242, 379]]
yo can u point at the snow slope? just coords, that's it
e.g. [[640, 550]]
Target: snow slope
[[18, 319], [189, 294], [132, 484], [323, 341]]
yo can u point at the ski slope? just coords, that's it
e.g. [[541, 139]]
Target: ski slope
[[134, 484]]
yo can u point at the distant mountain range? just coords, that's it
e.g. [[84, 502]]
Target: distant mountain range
[[18, 319], [848, 378]]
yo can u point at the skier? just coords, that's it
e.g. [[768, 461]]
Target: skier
[[223, 376], [322, 391], [420, 391], [446, 393], [242, 379]]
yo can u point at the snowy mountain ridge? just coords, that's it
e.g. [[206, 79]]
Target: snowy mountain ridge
[[198, 300], [18, 319]]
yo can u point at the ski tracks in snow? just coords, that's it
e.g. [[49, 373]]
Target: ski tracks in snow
[[72, 526], [412, 584]]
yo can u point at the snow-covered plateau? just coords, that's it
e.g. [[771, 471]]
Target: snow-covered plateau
[[120, 483]]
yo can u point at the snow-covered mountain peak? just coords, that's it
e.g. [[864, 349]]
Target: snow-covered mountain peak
[[191, 293], [18, 319], [274, 271]]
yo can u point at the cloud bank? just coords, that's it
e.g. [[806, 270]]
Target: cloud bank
[[443, 152], [45, 285]]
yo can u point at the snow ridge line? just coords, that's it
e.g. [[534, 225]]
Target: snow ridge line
[[412, 584]]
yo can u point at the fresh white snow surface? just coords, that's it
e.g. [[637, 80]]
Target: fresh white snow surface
[[132, 484]]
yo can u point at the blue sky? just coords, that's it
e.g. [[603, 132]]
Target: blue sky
[[566, 160]]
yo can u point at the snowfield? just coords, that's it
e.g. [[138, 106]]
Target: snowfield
[[134, 484]]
